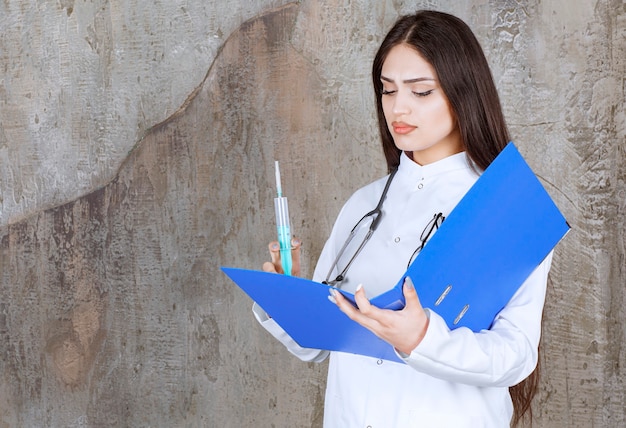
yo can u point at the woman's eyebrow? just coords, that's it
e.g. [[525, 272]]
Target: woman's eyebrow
[[415, 80]]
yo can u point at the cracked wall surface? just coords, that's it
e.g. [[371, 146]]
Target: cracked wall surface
[[137, 142]]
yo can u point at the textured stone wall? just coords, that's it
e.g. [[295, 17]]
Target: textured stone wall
[[137, 142]]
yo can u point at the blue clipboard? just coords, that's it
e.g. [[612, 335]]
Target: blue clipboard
[[499, 232]]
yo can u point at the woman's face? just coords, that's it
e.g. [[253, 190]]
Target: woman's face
[[416, 109]]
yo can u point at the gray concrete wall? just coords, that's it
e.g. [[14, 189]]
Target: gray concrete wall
[[137, 142]]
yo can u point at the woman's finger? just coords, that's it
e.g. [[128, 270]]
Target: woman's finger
[[296, 246], [351, 311], [410, 295], [274, 248], [269, 267]]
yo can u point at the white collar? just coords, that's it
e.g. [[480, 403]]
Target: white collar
[[410, 171]]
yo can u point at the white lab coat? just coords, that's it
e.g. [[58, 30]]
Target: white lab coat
[[453, 378]]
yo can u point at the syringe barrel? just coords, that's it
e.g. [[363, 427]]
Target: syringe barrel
[[284, 232]]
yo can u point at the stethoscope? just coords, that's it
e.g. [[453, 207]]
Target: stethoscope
[[376, 215]]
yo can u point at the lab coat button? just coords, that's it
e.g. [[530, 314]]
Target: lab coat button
[[420, 186], [379, 362], [397, 239]]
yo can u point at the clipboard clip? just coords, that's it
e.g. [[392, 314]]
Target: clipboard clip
[[461, 314], [443, 295]]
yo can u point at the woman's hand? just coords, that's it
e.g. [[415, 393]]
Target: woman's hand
[[275, 265], [403, 329]]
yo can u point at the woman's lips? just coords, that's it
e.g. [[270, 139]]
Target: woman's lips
[[402, 128]]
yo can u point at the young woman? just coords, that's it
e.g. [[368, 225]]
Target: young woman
[[441, 125]]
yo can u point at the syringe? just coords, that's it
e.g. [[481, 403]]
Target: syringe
[[282, 225]]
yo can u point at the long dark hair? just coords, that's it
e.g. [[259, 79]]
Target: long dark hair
[[449, 45]]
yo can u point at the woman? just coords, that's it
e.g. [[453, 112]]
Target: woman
[[441, 125]]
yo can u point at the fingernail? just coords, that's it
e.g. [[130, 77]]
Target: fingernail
[[332, 299], [358, 287], [275, 247], [295, 242], [408, 283], [331, 296]]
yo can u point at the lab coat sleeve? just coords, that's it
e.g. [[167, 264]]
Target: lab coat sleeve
[[502, 356], [304, 354]]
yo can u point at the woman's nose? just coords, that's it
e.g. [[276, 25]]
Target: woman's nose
[[401, 104]]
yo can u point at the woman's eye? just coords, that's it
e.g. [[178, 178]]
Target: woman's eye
[[387, 92], [423, 94]]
